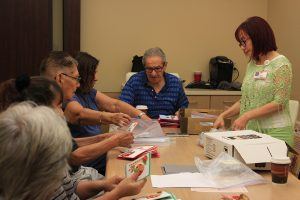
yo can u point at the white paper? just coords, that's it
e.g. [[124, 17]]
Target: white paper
[[152, 141], [226, 190], [181, 180]]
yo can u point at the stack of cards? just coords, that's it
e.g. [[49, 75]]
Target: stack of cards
[[136, 152], [168, 121], [140, 166], [158, 195]]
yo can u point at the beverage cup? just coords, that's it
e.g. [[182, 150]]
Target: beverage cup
[[142, 108], [197, 76], [280, 169]]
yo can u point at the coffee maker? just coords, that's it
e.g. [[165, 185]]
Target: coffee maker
[[220, 69]]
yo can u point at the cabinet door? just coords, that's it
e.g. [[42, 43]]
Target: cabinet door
[[223, 102], [199, 101]]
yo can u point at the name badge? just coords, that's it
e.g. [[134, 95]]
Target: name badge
[[260, 75]]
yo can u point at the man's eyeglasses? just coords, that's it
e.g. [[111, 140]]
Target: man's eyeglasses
[[75, 78], [156, 69], [242, 42]]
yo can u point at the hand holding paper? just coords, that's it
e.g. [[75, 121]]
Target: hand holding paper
[[140, 167]]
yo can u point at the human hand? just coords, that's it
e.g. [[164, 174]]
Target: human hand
[[129, 186], [125, 139], [145, 117], [219, 123], [119, 119], [240, 123], [111, 183]]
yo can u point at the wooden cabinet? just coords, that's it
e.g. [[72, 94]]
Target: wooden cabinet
[[212, 99], [222, 102], [199, 101], [205, 99]]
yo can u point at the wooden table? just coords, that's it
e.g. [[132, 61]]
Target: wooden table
[[182, 150]]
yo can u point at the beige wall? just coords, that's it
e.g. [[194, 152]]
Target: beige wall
[[284, 17], [189, 31]]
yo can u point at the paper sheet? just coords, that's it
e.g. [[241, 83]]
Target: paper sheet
[[181, 180], [226, 190]]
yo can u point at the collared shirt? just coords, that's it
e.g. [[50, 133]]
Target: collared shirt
[[169, 100]]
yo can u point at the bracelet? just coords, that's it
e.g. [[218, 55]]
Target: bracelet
[[100, 117], [140, 115]]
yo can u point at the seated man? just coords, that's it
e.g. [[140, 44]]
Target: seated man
[[161, 92], [89, 151]]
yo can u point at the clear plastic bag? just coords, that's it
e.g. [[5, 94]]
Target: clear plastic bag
[[225, 171], [147, 132], [145, 128]]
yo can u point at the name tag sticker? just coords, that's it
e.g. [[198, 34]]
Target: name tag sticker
[[260, 75]]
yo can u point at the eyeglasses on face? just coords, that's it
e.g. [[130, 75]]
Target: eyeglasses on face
[[156, 69], [75, 78], [242, 42]]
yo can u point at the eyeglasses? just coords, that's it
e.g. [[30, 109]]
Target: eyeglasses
[[75, 78], [242, 42], [156, 69]]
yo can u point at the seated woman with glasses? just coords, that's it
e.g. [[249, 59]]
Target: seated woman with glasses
[[264, 105], [161, 92]]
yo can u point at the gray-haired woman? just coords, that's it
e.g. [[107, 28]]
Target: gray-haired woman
[[35, 144]]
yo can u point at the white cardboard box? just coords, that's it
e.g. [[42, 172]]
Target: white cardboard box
[[250, 147]]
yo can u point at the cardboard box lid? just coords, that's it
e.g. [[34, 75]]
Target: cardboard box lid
[[252, 149], [261, 153], [242, 137]]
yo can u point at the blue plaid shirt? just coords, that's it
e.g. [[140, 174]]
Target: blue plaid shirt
[[168, 101]]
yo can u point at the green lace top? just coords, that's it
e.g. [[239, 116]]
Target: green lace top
[[275, 87]]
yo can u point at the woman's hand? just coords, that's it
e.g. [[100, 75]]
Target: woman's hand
[[111, 183], [240, 123], [219, 123], [145, 117], [119, 119], [129, 186], [125, 139]]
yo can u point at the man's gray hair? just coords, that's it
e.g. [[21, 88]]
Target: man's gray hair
[[35, 144], [55, 62], [156, 51]]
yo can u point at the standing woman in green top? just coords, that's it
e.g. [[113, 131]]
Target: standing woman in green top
[[264, 105]]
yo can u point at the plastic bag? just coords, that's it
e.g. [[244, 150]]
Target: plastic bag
[[147, 132], [145, 128], [225, 171]]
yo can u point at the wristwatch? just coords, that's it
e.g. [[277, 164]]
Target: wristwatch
[[140, 115]]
